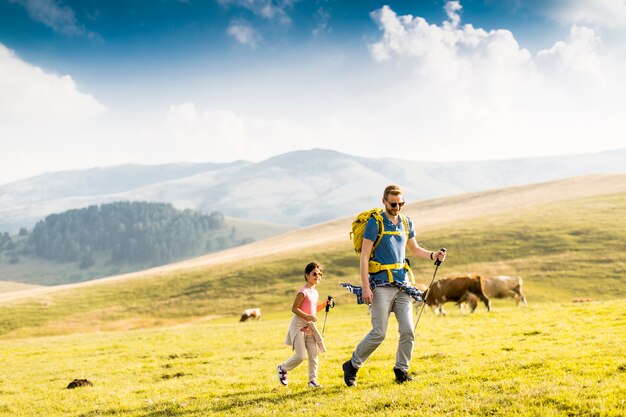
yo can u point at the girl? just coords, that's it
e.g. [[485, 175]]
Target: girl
[[300, 336]]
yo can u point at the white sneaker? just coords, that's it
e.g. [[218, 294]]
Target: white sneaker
[[282, 375], [314, 384]]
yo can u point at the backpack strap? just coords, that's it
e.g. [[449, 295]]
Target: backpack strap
[[375, 267], [377, 215]]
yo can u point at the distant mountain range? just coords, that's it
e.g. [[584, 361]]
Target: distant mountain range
[[298, 188]]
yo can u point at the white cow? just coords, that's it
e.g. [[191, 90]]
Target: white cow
[[500, 286], [251, 313]]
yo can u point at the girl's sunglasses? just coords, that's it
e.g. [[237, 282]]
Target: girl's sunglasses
[[315, 274]]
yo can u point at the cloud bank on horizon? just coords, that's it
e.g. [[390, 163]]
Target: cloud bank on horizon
[[419, 90]]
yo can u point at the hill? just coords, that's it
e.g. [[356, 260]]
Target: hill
[[299, 188], [565, 238], [8, 286], [82, 244]]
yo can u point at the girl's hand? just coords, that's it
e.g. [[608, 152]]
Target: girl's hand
[[310, 317]]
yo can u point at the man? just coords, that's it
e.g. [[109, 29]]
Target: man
[[377, 274]]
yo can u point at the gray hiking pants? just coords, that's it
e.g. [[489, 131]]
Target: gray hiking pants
[[385, 301]]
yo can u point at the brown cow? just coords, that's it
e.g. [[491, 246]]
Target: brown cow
[[455, 289], [251, 313], [500, 286]]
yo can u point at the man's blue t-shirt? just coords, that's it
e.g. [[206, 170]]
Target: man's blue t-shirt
[[392, 248]]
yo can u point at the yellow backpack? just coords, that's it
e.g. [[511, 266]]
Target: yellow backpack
[[356, 235], [358, 228]]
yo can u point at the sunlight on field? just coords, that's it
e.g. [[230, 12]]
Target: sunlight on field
[[546, 359], [169, 343]]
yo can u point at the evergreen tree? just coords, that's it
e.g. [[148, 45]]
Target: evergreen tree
[[126, 232]]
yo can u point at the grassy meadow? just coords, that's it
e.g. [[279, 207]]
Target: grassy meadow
[[171, 344], [548, 359]]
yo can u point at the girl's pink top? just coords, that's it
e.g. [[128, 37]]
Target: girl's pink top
[[309, 304]]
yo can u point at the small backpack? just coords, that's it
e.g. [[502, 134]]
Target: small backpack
[[358, 228]]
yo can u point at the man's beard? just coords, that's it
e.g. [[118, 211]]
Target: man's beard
[[391, 211]]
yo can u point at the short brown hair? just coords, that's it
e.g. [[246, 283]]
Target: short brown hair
[[392, 189]]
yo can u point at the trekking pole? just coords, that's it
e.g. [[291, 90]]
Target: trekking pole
[[328, 306], [437, 263]]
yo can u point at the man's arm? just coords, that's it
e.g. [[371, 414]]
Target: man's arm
[[418, 251], [366, 250]]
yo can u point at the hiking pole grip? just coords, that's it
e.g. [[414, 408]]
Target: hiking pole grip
[[328, 303], [437, 261]]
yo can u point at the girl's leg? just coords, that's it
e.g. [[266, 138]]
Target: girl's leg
[[299, 354], [312, 351]]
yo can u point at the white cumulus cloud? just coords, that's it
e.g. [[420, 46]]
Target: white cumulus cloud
[[577, 54], [223, 135], [44, 117], [244, 33], [211, 129], [58, 17], [27, 91], [452, 9], [471, 88], [268, 9], [603, 13]]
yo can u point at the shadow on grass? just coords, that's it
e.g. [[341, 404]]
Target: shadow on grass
[[227, 403], [146, 411], [253, 398]]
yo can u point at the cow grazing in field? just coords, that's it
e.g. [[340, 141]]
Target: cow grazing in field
[[504, 286], [500, 286], [455, 289], [251, 313]]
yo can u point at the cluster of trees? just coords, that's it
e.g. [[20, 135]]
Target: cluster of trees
[[127, 232], [9, 248]]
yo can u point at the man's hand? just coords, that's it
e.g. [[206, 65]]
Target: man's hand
[[441, 255], [367, 295]]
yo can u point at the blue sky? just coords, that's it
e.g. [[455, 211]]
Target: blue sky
[[102, 82]]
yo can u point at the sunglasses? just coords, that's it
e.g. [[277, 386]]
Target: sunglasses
[[393, 205], [315, 274]]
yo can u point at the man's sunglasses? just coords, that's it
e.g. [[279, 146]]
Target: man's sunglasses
[[393, 205]]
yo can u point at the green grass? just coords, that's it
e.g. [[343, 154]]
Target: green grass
[[563, 251], [548, 359]]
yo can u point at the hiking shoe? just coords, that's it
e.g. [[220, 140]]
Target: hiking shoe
[[402, 376], [282, 375], [314, 384], [349, 373]]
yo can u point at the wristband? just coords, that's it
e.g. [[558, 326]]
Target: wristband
[[431, 256]]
